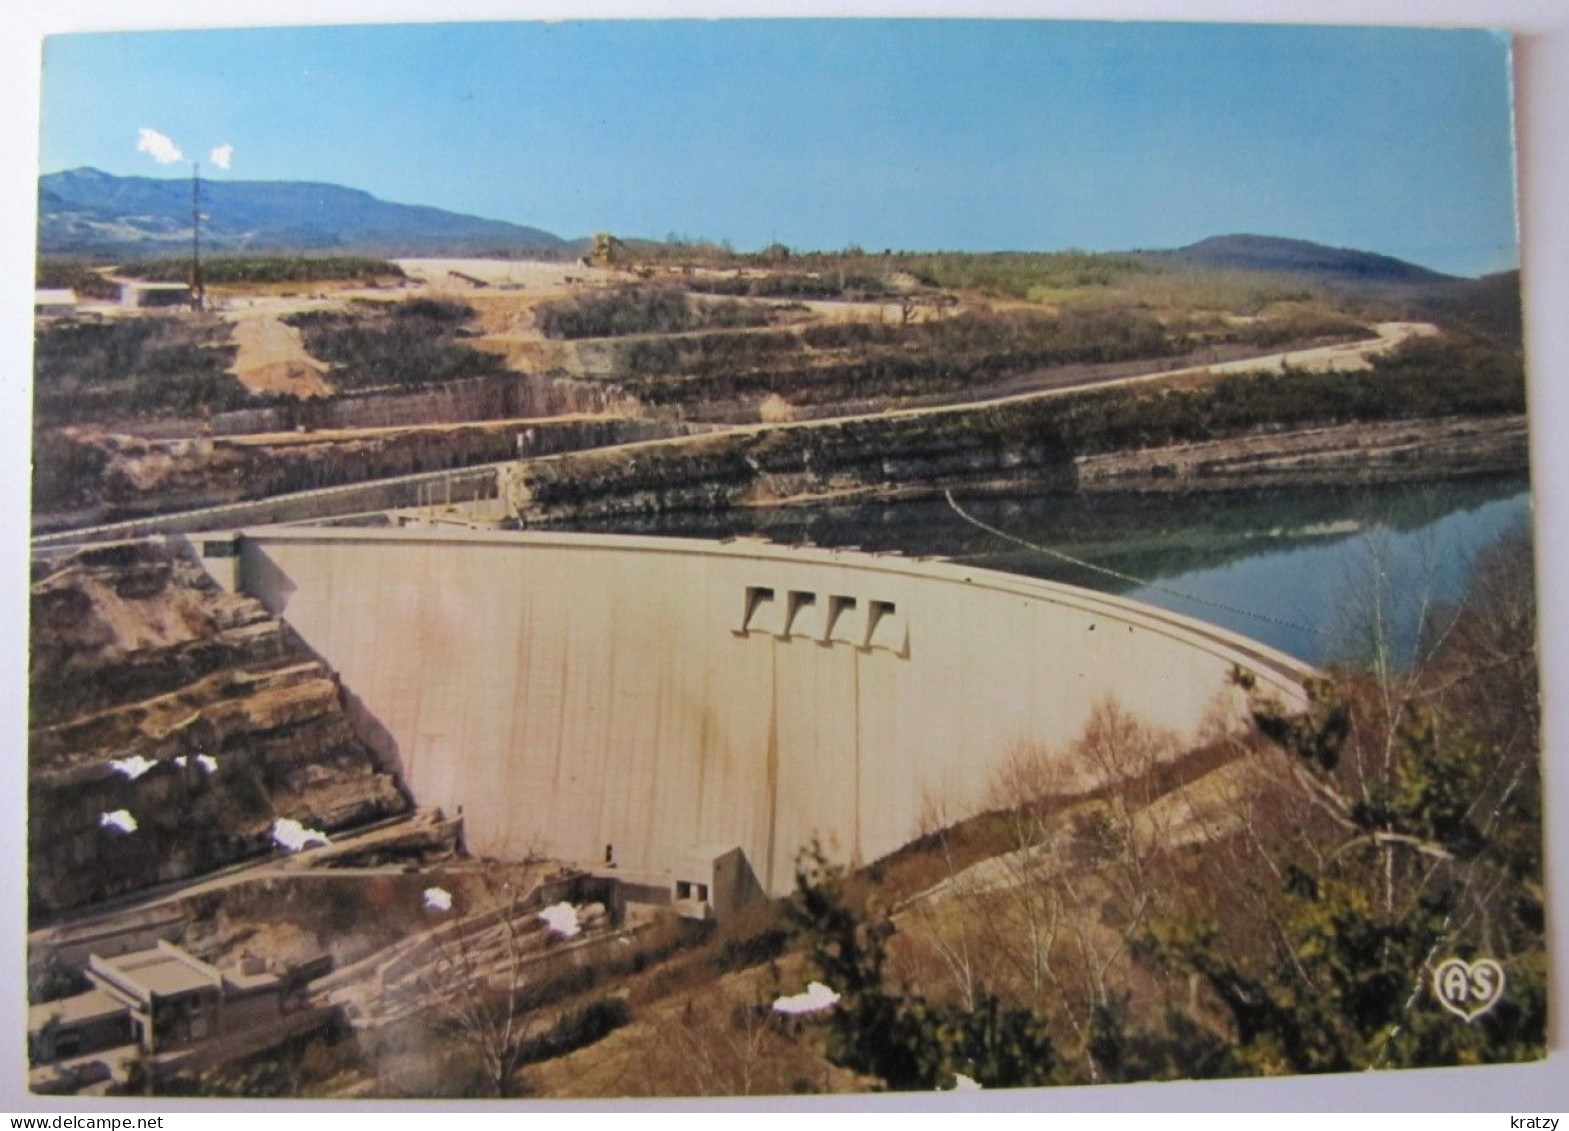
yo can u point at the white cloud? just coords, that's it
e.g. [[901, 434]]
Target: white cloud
[[222, 156], [817, 998], [159, 147]]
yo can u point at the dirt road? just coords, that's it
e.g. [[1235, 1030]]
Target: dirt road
[[1340, 358], [271, 357], [338, 435], [1344, 356]]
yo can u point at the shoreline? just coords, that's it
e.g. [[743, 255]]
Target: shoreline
[[1313, 456]]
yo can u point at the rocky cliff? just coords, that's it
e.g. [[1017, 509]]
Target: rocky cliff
[[171, 724], [86, 475], [1014, 447]]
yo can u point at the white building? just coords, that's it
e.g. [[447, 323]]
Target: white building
[[54, 302], [140, 295]]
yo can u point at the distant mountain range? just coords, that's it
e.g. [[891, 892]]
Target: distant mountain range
[[1297, 257], [88, 212]]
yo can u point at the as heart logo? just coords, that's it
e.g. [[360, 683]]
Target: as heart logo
[[1468, 989]]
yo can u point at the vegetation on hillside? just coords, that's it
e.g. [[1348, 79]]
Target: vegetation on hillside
[[76, 275], [1133, 279], [1021, 275], [712, 353], [1279, 905], [861, 360], [1039, 277], [1254, 282], [1301, 258], [899, 1036], [778, 271], [226, 269], [1419, 841], [1489, 306], [1424, 377], [395, 344], [641, 310], [840, 283], [132, 367]]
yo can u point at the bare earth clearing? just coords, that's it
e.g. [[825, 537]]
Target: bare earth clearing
[[271, 357], [530, 275]]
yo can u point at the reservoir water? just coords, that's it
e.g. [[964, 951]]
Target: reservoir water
[[1304, 570]]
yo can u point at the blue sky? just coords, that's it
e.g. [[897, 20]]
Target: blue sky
[[906, 134]]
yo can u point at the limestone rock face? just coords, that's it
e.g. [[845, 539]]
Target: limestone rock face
[[89, 475], [1020, 446], [219, 720]]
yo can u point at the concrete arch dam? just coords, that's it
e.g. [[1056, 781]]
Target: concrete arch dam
[[668, 700]]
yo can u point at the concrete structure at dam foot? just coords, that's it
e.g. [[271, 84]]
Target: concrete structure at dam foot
[[687, 715]]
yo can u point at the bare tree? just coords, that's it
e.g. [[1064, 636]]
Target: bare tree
[[1051, 917], [473, 978], [724, 1043]]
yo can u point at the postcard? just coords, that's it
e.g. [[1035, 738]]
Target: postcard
[[766, 557]]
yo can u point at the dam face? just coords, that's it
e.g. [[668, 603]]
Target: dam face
[[659, 702]]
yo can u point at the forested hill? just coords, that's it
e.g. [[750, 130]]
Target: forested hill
[[88, 212], [1297, 257]]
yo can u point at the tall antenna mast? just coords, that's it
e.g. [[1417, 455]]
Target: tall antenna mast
[[198, 293]]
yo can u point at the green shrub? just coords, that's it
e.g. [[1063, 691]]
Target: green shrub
[[221, 270], [1016, 274], [753, 950], [578, 1029], [828, 285], [640, 310], [79, 277], [131, 367], [904, 1039], [410, 343], [871, 359]]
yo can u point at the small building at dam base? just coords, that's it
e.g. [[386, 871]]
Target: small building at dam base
[[657, 705]]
